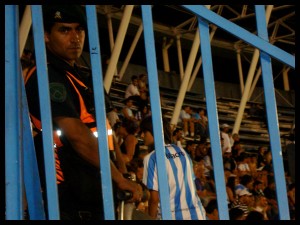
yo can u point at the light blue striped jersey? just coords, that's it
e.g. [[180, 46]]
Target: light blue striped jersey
[[184, 201]]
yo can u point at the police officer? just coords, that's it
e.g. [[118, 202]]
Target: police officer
[[76, 151]]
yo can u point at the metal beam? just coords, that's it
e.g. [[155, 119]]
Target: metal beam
[[273, 128], [45, 108], [106, 182], [156, 114], [117, 47], [243, 34], [13, 158]]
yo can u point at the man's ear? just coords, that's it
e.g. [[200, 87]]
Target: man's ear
[[46, 37]]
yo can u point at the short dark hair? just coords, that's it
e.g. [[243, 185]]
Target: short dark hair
[[211, 206], [134, 77], [176, 131], [235, 213], [131, 126], [146, 124]]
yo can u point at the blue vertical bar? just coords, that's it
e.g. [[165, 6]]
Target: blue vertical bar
[[273, 127], [45, 108], [212, 114], [105, 171], [13, 164], [31, 173], [156, 114]]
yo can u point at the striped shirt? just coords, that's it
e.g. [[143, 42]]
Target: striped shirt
[[184, 201]]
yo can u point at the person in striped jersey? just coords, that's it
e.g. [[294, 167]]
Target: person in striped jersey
[[184, 201]]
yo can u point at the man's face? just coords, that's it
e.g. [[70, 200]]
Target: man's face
[[66, 41], [135, 82], [147, 137]]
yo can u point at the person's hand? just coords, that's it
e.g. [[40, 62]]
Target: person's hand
[[135, 188]]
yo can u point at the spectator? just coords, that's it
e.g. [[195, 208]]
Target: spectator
[[207, 159], [252, 163], [261, 162], [184, 201], [187, 121], [270, 193], [136, 166], [246, 182], [230, 185], [243, 201], [236, 150], [204, 189], [268, 162], [143, 112], [236, 214], [243, 164], [212, 210], [261, 205], [198, 151], [177, 137], [132, 89], [142, 83], [200, 122], [127, 112], [130, 145], [229, 162], [225, 136], [190, 148], [233, 138], [113, 116], [258, 188], [255, 216], [291, 197], [262, 176], [132, 92]]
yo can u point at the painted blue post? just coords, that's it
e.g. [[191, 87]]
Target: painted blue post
[[108, 203], [271, 108], [13, 142], [31, 173], [243, 34], [211, 105], [156, 112], [45, 108]]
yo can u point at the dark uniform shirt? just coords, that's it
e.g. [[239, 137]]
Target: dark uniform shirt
[[81, 189], [64, 100]]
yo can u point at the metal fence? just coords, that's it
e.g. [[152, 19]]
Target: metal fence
[[21, 174]]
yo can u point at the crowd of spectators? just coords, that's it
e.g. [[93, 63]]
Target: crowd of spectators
[[249, 177]]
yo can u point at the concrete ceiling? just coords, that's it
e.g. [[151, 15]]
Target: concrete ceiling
[[172, 20]]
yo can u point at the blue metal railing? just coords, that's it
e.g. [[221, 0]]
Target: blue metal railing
[[16, 112]]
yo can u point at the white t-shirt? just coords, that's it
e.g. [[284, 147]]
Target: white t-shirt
[[112, 117], [183, 115], [131, 90], [226, 139]]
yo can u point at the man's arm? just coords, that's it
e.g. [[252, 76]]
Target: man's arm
[[153, 203], [85, 144]]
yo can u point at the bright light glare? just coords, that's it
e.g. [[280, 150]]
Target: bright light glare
[[58, 132]]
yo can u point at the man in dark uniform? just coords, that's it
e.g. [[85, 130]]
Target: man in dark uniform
[[72, 105]]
